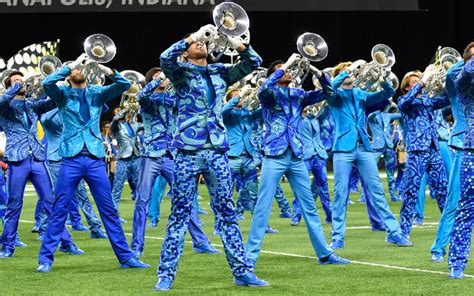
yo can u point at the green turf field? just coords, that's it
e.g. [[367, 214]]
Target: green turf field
[[287, 261]]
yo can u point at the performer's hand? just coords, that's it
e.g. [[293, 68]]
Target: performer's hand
[[79, 61], [355, 65], [291, 60], [106, 70], [233, 42], [315, 71], [205, 33], [427, 74], [162, 77]]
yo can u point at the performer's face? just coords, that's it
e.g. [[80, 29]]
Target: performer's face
[[77, 76], [197, 50], [286, 78], [17, 78], [347, 83], [412, 82]]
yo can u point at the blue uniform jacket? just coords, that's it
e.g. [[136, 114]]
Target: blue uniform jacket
[[53, 129], [380, 126], [22, 137], [459, 128], [465, 89], [157, 111], [281, 109], [418, 118], [239, 123], [78, 133], [349, 108], [311, 135], [200, 124], [127, 143]]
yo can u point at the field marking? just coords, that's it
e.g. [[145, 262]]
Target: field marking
[[313, 257]]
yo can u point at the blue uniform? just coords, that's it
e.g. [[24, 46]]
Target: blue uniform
[[283, 147], [25, 156], [82, 152], [456, 139], [201, 140], [462, 230], [53, 126], [423, 151], [351, 145]]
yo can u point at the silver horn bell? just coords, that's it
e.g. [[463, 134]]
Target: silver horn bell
[[312, 46], [100, 48], [230, 19]]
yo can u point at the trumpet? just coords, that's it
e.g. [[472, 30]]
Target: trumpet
[[100, 49], [312, 48], [252, 84], [368, 74], [316, 108], [49, 64], [391, 78], [34, 84], [231, 20], [446, 57], [129, 97]]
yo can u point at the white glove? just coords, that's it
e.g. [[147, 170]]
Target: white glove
[[315, 71], [162, 76], [355, 65], [429, 72], [83, 57], [233, 42], [291, 60], [106, 70], [204, 34]]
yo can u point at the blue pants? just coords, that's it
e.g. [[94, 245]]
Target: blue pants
[[215, 168], [151, 168], [354, 180], [93, 171], [125, 167], [319, 187], [365, 162], [243, 169], [80, 199], [462, 229], [273, 168], [374, 218], [446, 221], [447, 157], [3, 195], [18, 174], [390, 159], [401, 168], [156, 197], [418, 163]]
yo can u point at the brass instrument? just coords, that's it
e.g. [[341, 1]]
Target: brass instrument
[[129, 97], [446, 57], [368, 74], [100, 49], [249, 92]]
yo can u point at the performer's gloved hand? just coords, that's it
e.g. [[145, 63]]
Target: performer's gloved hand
[[233, 42], [315, 71], [205, 33], [79, 61], [162, 77], [355, 65], [106, 70], [427, 74], [291, 60]]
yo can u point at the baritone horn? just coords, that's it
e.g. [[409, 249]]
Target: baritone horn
[[368, 74], [445, 58], [100, 49], [231, 20], [49, 64], [129, 97]]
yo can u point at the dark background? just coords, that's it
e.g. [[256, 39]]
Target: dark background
[[141, 37]]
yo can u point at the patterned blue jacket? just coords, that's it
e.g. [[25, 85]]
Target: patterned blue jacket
[[239, 123], [76, 132], [418, 118], [327, 132], [127, 144], [349, 108], [465, 89], [281, 109], [459, 129], [157, 111], [53, 129], [22, 141], [380, 126], [311, 135], [200, 125]]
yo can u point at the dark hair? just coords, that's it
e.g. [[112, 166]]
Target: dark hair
[[8, 81], [150, 73], [104, 123], [272, 67], [447, 111], [466, 56]]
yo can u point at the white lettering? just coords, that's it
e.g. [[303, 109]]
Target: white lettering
[[6, 2], [68, 2]]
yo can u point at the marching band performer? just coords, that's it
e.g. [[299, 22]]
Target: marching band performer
[[25, 156], [201, 143], [282, 108], [53, 127], [462, 229], [82, 153], [422, 145], [157, 107], [456, 139], [351, 145]]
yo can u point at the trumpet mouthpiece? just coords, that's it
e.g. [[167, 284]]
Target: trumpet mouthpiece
[[380, 58], [98, 51]]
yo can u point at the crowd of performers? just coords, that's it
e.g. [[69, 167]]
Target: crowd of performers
[[194, 125]]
